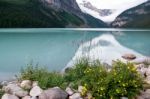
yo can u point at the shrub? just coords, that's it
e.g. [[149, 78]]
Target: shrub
[[121, 81], [73, 75], [1, 93]]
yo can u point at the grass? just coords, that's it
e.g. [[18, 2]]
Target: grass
[[121, 81]]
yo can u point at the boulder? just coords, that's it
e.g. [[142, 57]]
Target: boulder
[[27, 97], [54, 93], [89, 96], [4, 83], [15, 89], [124, 98], [129, 56], [139, 66], [26, 84], [145, 95], [139, 97], [147, 80], [148, 71], [80, 89], [75, 96], [69, 91], [9, 96], [142, 71], [35, 83], [142, 60], [35, 91]]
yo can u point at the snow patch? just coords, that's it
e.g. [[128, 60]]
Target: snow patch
[[118, 5]]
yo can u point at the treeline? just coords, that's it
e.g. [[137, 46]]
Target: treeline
[[32, 14]]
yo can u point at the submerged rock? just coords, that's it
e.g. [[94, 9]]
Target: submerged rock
[[54, 93], [129, 56]]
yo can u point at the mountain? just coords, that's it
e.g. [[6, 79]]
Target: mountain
[[137, 17], [44, 13], [107, 10]]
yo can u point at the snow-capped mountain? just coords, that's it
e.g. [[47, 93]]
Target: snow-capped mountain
[[137, 17], [107, 10]]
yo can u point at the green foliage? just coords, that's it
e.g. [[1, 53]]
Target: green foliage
[[31, 13], [1, 93], [121, 80], [45, 79]]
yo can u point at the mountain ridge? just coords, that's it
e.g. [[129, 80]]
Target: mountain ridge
[[137, 17], [31, 13], [105, 11]]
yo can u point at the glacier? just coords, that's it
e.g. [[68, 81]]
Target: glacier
[[116, 6]]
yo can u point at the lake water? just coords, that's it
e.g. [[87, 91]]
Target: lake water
[[58, 48]]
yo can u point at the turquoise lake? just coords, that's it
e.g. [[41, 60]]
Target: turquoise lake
[[54, 48]]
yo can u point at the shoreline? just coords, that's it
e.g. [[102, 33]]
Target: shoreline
[[142, 66]]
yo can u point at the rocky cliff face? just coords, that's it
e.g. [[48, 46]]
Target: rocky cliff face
[[67, 5], [72, 7], [137, 17], [45, 13]]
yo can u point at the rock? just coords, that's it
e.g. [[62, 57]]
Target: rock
[[4, 83], [80, 89], [27, 97], [146, 86], [147, 80], [124, 98], [69, 91], [148, 71], [9, 96], [129, 56], [26, 84], [142, 71], [16, 90], [35, 91], [54, 93], [139, 66], [34, 98], [142, 60], [139, 97], [145, 95], [75, 96], [35, 83], [89, 96]]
